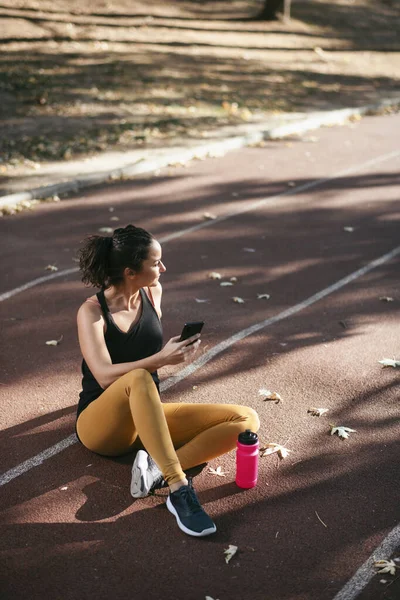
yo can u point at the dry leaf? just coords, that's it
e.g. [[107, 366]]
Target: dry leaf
[[230, 552], [386, 566], [321, 53], [263, 296], [348, 229], [272, 448], [233, 279], [386, 299], [106, 230], [238, 300], [342, 431], [249, 249], [209, 216], [268, 395], [225, 283], [201, 300], [54, 342], [218, 471], [388, 362], [317, 412], [51, 268], [214, 275], [64, 488]]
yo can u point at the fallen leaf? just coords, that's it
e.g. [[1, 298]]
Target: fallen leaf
[[321, 53], [225, 283], [317, 412], [348, 229], [385, 566], [54, 342], [230, 552], [238, 300], [218, 471], [249, 249], [201, 300], [268, 395], [263, 296], [214, 275], [388, 362], [51, 268], [209, 216], [272, 448], [106, 230], [342, 431], [386, 299]]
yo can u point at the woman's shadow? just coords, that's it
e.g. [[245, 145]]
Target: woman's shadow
[[110, 496]]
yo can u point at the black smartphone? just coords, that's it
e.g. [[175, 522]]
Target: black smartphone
[[190, 329]]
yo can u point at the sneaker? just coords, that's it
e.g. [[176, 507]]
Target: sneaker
[[190, 516], [146, 476]]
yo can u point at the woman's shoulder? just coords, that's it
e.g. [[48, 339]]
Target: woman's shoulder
[[91, 306]]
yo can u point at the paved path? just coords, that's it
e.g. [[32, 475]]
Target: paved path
[[69, 526]]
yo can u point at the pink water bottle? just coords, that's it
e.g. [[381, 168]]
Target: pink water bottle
[[247, 459]]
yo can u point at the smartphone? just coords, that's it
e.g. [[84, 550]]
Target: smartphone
[[190, 329]]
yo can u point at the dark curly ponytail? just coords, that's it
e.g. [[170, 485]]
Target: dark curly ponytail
[[102, 260]]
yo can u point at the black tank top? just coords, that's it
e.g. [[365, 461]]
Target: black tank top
[[143, 339]]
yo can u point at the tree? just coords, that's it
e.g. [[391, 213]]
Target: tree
[[271, 9]]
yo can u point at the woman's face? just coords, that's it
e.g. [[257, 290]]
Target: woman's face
[[152, 267]]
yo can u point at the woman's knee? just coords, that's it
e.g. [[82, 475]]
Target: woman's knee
[[250, 418], [139, 375]]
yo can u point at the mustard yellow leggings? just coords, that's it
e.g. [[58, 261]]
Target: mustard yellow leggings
[[129, 414]]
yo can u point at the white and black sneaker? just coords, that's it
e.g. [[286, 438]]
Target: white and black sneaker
[[146, 476], [190, 516]]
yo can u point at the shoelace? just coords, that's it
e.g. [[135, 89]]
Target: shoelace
[[188, 494]]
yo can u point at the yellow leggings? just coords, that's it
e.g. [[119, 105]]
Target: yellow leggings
[[129, 414]]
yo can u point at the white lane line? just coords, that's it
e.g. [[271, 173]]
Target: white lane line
[[37, 460], [34, 282], [239, 211], [207, 356], [366, 572]]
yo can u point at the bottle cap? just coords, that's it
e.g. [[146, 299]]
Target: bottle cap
[[248, 437]]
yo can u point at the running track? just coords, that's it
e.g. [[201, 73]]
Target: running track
[[69, 526]]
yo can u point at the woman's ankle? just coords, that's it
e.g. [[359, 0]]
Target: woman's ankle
[[175, 486]]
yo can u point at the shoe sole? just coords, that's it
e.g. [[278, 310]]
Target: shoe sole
[[182, 527], [139, 486]]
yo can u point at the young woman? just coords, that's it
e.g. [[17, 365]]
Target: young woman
[[119, 406]]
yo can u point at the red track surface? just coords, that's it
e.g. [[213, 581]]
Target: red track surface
[[70, 528]]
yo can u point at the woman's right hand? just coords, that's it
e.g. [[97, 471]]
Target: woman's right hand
[[175, 352]]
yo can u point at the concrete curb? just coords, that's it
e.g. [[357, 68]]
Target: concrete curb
[[257, 133]]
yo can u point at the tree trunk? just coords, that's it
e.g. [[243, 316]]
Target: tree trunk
[[270, 10]]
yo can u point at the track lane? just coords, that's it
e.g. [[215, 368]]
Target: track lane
[[292, 269]]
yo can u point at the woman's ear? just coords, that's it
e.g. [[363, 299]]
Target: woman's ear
[[129, 273]]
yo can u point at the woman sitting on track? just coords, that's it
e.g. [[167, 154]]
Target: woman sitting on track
[[119, 409]]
